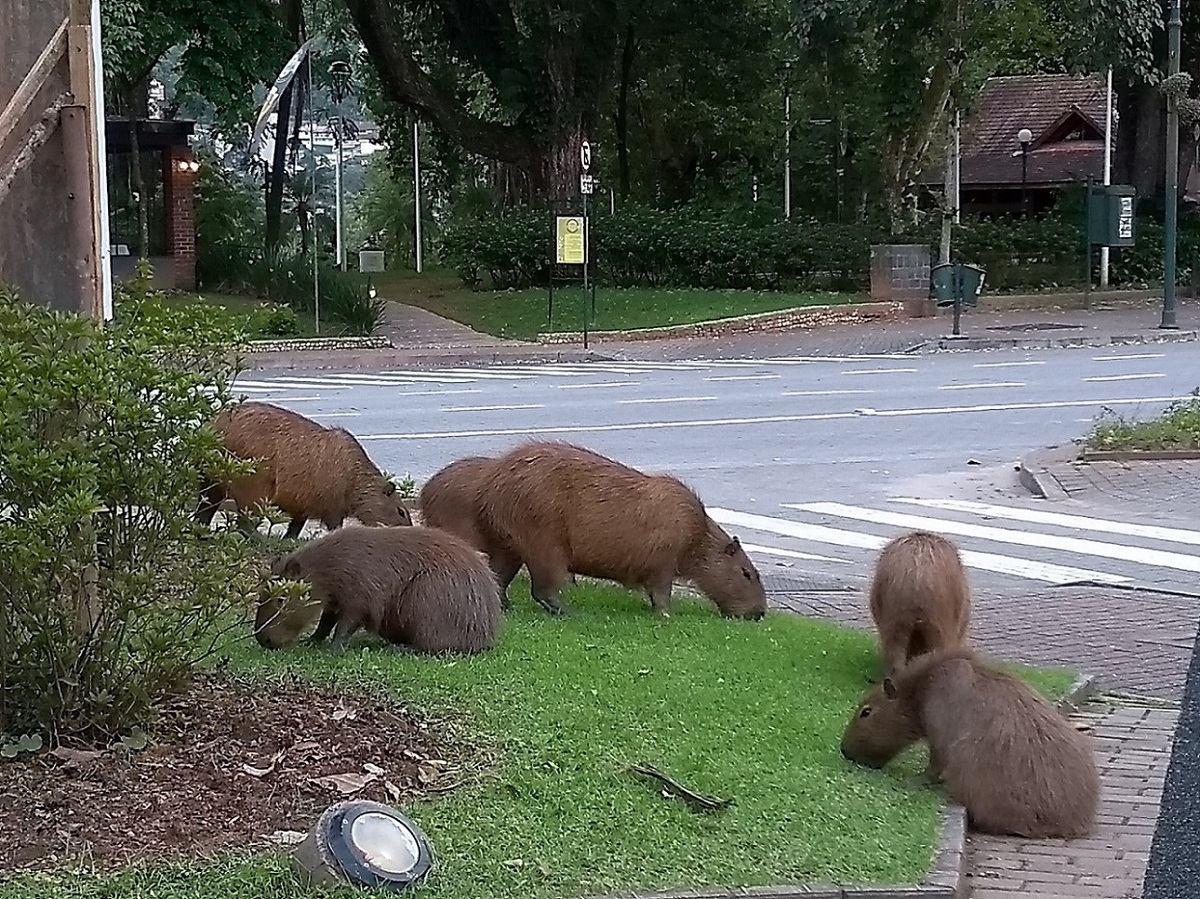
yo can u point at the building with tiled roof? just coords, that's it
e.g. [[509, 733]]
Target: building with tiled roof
[[1065, 115]]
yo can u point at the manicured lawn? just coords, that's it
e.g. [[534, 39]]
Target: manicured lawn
[[255, 316], [522, 314], [1178, 428], [751, 711]]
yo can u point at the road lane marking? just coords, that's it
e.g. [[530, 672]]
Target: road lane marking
[[1141, 377], [1031, 570], [822, 392], [492, 408], [668, 399], [598, 384], [1136, 554], [790, 553], [1128, 356], [1059, 519], [878, 371], [982, 385], [438, 392], [743, 377], [1009, 364]]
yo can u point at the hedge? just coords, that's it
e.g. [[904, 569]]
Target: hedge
[[643, 247]]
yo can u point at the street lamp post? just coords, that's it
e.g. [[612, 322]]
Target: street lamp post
[[1024, 137], [1174, 26], [787, 139], [339, 76]]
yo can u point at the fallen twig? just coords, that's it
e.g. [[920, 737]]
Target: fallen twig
[[697, 802]]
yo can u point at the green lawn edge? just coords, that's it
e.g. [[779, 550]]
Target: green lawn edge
[[802, 813]]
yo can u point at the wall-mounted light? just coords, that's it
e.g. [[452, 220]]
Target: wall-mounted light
[[371, 291], [365, 844], [187, 166]]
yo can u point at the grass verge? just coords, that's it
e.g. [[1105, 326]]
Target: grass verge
[[522, 314], [1178, 428], [745, 710]]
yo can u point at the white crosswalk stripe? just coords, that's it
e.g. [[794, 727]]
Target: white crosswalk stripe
[[1033, 548], [260, 383]]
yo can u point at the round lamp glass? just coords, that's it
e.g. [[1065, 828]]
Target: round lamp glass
[[1024, 135], [385, 842]]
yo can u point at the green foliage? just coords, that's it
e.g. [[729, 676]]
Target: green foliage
[[229, 228], [110, 595], [343, 299], [1178, 428]]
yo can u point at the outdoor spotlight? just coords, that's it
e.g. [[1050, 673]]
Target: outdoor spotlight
[[365, 844], [371, 291]]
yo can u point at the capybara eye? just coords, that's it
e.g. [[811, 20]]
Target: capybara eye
[[747, 575], [865, 712]]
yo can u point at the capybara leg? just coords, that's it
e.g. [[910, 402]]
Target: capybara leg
[[343, 631], [505, 567], [544, 584], [660, 598], [295, 526], [246, 524], [895, 655], [324, 626], [933, 770]]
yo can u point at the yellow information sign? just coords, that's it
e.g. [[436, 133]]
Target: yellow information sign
[[568, 241]]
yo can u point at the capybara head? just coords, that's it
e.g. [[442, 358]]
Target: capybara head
[[728, 577], [379, 504], [882, 727], [280, 620]]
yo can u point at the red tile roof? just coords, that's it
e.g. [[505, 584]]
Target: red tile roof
[[991, 154]]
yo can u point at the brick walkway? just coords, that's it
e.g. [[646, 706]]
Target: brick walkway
[[1163, 487]]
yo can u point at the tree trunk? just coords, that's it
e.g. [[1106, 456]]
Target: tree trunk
[[1139, 157], [628, 54], [278, 172]]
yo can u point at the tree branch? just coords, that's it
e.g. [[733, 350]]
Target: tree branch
[[406, 83]]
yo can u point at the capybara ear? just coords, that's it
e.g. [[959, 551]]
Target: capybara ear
[[732, 547], [389, 487], [889, 688]]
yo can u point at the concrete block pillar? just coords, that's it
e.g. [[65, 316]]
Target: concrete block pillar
[[900, 273]]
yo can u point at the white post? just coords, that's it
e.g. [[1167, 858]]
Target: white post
[[417, 188], [957, 167], [787, 157], [341, 250], [312, 166], [1107, 166], [101, 150]]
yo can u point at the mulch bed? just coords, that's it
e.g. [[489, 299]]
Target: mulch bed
[[232, 764]]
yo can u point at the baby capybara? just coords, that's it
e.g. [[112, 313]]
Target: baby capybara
[[1004, 753], [415, 586], [304, 468], [562, 509], [920, 598]]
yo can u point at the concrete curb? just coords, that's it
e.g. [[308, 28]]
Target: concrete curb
[[432, 358], [294, 344], [1046, 343], [1138, 455], [1033, 471], [1085, 687]]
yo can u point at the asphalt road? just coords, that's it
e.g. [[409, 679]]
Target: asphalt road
[[815, 462]]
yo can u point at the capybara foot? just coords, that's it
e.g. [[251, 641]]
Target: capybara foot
[[551, 604]]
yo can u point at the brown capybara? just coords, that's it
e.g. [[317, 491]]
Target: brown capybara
[[414, 586], [920, 598], [1005, 754], [562, 509], [304, 468]]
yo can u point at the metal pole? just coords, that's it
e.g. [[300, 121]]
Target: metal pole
[[1107, 168], [787, 157], [1174, 25], [341, 250], [312, 166], [1024, 195], [957, 167], [417, 190]]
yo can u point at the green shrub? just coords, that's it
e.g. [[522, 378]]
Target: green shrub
[[110, 594]]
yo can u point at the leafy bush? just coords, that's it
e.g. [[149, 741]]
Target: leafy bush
[[1178, 428], [110, 594], [229, 226]]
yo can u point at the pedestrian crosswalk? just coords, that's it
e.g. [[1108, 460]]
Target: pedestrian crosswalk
[[1015, 541], [448, 378]]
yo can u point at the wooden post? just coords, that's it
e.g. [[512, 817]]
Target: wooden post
[[83, 155]]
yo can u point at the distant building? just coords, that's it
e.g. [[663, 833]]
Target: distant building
[[1065, 116]]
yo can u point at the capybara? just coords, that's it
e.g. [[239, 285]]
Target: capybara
[[920, 598], [1004, 753], [414, 586], [304, 468], [562, 509]]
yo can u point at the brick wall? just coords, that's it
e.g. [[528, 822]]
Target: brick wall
[[180, 205]]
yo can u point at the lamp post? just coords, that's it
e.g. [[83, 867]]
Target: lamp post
[[1024, 137], [1174, 26], [787, 139], [339, 76]]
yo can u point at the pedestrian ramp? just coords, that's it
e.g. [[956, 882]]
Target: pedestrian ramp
[[1011, 541]]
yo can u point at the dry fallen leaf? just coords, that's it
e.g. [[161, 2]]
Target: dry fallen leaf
[[373, 769], [306, 746], [346, 784], [344, 714], [75, 758], [286, 837], [393, 791], [263, 772]]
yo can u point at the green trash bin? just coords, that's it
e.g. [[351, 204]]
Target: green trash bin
[[951, 280]]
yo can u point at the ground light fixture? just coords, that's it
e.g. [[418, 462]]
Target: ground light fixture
[[364, 844]]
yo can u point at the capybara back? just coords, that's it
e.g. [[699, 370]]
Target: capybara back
[[920, 598], [416, 586], [304, 468], [561, 508], [1004, 752]]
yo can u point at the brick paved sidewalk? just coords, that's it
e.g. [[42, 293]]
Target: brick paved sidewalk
[[1164, 487]]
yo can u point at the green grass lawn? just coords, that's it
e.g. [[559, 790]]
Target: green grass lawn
[[1178, 428], [751, 711], [255, 316], [522, 314]]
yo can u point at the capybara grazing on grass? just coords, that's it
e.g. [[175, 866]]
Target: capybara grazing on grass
[[562, 509], [415, 586], [920, 598], [1004, 753], [304, 468]]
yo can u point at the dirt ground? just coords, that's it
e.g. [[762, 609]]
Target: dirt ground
[[232, 764]]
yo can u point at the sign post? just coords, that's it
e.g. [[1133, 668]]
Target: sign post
[[1110, 222]]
